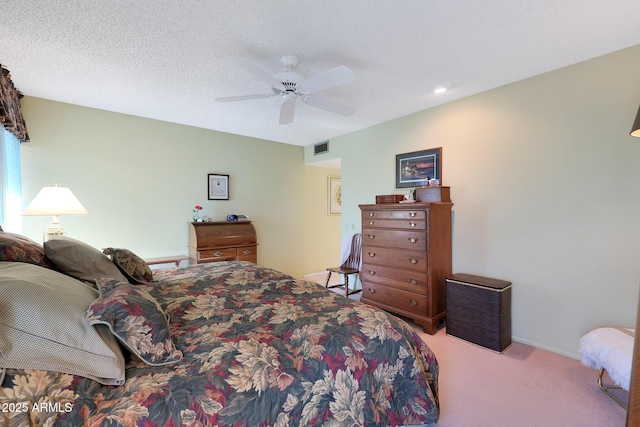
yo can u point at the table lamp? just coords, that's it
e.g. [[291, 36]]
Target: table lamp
[[55, 201]]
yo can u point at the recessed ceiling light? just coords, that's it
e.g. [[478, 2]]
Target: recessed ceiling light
[[441, 87]]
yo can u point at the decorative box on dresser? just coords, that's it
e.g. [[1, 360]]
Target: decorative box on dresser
[[406, 258], [222, 241]]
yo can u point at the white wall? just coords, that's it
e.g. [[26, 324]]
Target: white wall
[[545, 182], [140, 179]]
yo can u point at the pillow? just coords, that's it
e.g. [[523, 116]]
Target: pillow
[[17, 248], [43, 326], [136, 319], [131, 265], [77, 259]]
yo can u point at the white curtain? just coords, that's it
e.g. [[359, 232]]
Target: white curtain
[[10, 183]]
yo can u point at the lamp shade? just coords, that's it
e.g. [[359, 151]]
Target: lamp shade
[[55, 201], [635, 130]]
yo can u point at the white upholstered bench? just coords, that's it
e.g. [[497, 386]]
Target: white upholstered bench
[[609, 349]]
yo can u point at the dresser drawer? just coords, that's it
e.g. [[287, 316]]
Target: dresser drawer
[[416, 240], [249, 253], [414, 260], [403, 300], [409, 224], [399, 278], [213, 255], [393, 214]]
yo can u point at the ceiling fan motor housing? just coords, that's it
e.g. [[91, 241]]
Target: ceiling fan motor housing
[[288, 78]]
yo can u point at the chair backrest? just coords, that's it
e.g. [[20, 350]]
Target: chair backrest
[[355, 253]]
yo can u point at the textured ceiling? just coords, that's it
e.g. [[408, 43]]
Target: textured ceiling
[[169, 60]]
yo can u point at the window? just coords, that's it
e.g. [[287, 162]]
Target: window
[[10, 183]]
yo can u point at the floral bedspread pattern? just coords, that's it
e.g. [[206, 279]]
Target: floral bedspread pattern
[[260, 349]]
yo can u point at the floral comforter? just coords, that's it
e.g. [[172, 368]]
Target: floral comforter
[[260, 349]]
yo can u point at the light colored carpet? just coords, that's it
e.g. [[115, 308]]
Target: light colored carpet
[[524, 386]]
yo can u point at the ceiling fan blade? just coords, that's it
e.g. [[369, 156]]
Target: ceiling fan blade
[[325, 104], [244, 97], [334, 77], [286, 111], [251, 68]]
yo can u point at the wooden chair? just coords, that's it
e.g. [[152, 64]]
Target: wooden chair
[[350, 266]]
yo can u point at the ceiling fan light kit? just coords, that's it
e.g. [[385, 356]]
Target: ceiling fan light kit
[[288, 86]]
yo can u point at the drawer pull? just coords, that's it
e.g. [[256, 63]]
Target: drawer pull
[[371, 272], [218, 253], [371, 236], [413, 260], [413, 303], [412, 214], [372, 254], [412, 224], [247, 252], [370, 222], [373, 291], [370, 213], [412, 239], [413, 282]]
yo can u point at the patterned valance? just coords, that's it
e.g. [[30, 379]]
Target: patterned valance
[[10, 116]]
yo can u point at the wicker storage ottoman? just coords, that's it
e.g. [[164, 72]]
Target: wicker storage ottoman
[[479, 310]]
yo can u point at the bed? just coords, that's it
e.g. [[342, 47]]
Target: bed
[[243, 345]]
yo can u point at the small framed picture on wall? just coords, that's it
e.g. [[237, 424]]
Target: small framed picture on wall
[[334, 192], [419, 168], [218, 186]]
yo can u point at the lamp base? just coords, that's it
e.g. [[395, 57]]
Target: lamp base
[[54, 229], [46, 234]]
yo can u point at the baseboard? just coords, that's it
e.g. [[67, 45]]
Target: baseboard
[[315, 274], [535, 344]]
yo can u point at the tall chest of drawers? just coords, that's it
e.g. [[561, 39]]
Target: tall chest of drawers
[[222, 241], [406, 258]]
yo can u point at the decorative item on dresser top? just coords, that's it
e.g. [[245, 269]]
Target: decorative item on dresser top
[[222, 241], [406, 258]]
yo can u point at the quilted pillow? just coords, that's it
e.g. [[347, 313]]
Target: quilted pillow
[[43, 326], [136, 319], [131, 265], [17, 248], [80, 260]]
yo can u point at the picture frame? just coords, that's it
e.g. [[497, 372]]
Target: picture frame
[[417, 168], [218, 186], [334, 195]]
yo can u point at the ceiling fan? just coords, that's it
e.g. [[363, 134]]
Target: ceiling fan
[[289, 86]]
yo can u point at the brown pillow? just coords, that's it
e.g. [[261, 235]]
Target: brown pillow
[[17, 248], [131, 265], [77, 259]]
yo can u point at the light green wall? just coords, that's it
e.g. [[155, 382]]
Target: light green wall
[[140, 179], [545, 182]]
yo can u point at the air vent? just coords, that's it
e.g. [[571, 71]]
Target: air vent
[[320, 148]]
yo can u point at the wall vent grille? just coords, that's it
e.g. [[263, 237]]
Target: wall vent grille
[[320, 148]]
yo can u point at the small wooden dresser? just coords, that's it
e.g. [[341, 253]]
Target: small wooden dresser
[[406, 258], [222, 241]]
